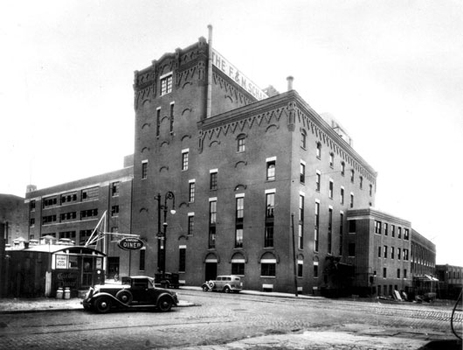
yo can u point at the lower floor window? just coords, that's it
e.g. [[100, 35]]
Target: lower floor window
[[237, 269], [268, 269]]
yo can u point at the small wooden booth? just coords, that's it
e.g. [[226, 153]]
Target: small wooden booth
[[43, 269]]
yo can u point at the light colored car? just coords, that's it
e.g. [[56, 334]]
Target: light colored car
[[224, 283]]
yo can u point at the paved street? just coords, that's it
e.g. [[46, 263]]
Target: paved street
[[226, 319]]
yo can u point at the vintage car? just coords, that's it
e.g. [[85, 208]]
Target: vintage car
[[224, 283], [135, 291]]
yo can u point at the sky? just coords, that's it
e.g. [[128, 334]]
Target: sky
[[390, 72]]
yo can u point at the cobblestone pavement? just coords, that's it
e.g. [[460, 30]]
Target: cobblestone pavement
[[240, 321]]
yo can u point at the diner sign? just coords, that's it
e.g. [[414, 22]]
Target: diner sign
[[236, 75], [130, 244]]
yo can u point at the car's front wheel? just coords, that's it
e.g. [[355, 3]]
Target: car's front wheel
[[124, 296], [165, 304], [103, 305], [227, 290]]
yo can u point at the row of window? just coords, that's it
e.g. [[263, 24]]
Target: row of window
[[385, 251], [72, 197], [51, 219], [385, 228], [398, 275]]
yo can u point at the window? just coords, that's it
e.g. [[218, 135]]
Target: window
[[361, 182], [379, 251], [385, 228], [384, 272], [181, 258], [352, 249], [405, 252], [241, 143], [330, 189], [343, 168], [114, 237], [330, 230], [398, 253], [398, 273], [392, 252], [341, 196], [270, 205], [91, 213], [385, 251], [300, 231], [191, 223], [352, 226], [268, 265], [405, 273], [303, 139], [371, 190], [212, 221], [315, 269], [300, 268], [115, 210], [49, 202], [318, 177], [213, 180], [171, 127], [144, 169], [239, 215], [319, 150], [351, 200], [191, 191], [302, 172], [115, 188], [399, 232], [158, 121], [271, 169], [393, 230], [316, 225], [331, 159], [32, 222], [32, 205], [378, 225], [352, 175], [237, 263], [142, 259], [185, 153], [268, 236], [406, 234], [166, 84]]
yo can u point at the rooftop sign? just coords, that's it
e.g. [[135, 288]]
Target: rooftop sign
[[236, 75]]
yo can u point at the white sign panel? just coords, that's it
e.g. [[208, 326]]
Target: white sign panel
[[236, 75], [61, 262]]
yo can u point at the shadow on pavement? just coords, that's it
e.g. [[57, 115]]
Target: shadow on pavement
[[442, 344]]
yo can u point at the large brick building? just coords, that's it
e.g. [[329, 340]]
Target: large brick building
[[246, 174]]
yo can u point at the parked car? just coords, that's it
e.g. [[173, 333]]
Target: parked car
[[167, 280], [133, 292], [224, 283]]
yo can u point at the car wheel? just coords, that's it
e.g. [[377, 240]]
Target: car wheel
[[227, 290], [124, 296], [205, 288], [103, 305], [164, 304]]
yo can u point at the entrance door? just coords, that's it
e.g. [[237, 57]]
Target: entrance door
[[211, 271], [87, 272]]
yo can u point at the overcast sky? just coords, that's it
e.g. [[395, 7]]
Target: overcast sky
[[390, 72]]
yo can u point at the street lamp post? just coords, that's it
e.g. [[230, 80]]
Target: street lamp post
[[161, 235]]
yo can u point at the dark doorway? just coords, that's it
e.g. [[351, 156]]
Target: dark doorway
[[211, 271]]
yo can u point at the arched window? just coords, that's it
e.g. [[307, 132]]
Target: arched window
[[238, 264], [268, 264]]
